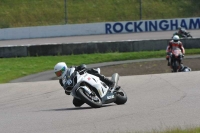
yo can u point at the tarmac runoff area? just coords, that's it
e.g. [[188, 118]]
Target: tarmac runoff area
[[155, 102]]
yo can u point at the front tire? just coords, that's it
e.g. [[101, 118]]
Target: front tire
[[175, 66], [92, 100], [121, 97]]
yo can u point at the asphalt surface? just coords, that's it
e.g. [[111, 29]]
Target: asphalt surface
[[155, 101]]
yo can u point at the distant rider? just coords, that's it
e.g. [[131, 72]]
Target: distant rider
[[173, 44], [60, 70], [182, 32]]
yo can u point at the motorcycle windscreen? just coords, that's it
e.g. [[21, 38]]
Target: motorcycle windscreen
[[71, 79]]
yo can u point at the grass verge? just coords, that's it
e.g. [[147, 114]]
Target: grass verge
[[23, 13], [12, 68]]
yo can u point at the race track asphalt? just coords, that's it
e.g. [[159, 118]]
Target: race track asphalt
[[155, 101]]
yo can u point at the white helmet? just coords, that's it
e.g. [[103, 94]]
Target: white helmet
[[176, 38], [60, 69]]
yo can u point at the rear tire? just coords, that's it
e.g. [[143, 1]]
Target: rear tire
[[93, 101], [189, 35], [121, 97]]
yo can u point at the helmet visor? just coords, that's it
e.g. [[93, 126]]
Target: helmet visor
[[59, 73]]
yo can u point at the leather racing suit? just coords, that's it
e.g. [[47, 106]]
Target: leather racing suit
[[174, 45]]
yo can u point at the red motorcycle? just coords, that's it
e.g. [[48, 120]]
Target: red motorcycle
[[175, 58]]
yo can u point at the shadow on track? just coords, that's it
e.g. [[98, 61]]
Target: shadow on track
[[76, 108]]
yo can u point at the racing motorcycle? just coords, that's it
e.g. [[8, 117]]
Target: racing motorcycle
[[89, 89], [174, 59], [184, 35]]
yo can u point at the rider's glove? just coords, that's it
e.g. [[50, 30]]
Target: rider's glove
[[169, 53]]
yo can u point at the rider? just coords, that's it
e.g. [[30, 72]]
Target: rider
[[181, 32], [60, 70], [175, 43]]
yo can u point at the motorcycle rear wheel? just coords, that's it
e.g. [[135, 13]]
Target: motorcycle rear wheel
[[93, 101], [189, 35], [121, 97]]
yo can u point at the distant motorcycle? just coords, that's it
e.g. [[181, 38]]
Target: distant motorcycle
[[184, 35], [91, 90]]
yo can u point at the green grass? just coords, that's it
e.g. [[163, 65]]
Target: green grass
[[12, 68], [22, 13]]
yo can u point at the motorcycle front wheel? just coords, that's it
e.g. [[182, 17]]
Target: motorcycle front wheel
[[91, 99], [175, 66], [121, 97]]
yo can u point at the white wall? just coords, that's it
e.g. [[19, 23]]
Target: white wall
[[98, 28]]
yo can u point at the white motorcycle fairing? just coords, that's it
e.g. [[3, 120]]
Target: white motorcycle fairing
[[75, 80]]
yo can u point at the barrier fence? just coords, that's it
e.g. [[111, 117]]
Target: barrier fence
[[92, 47]]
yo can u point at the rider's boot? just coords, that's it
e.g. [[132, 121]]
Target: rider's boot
[[77, 102], [109, 82], [111, 85], [168, 62]]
